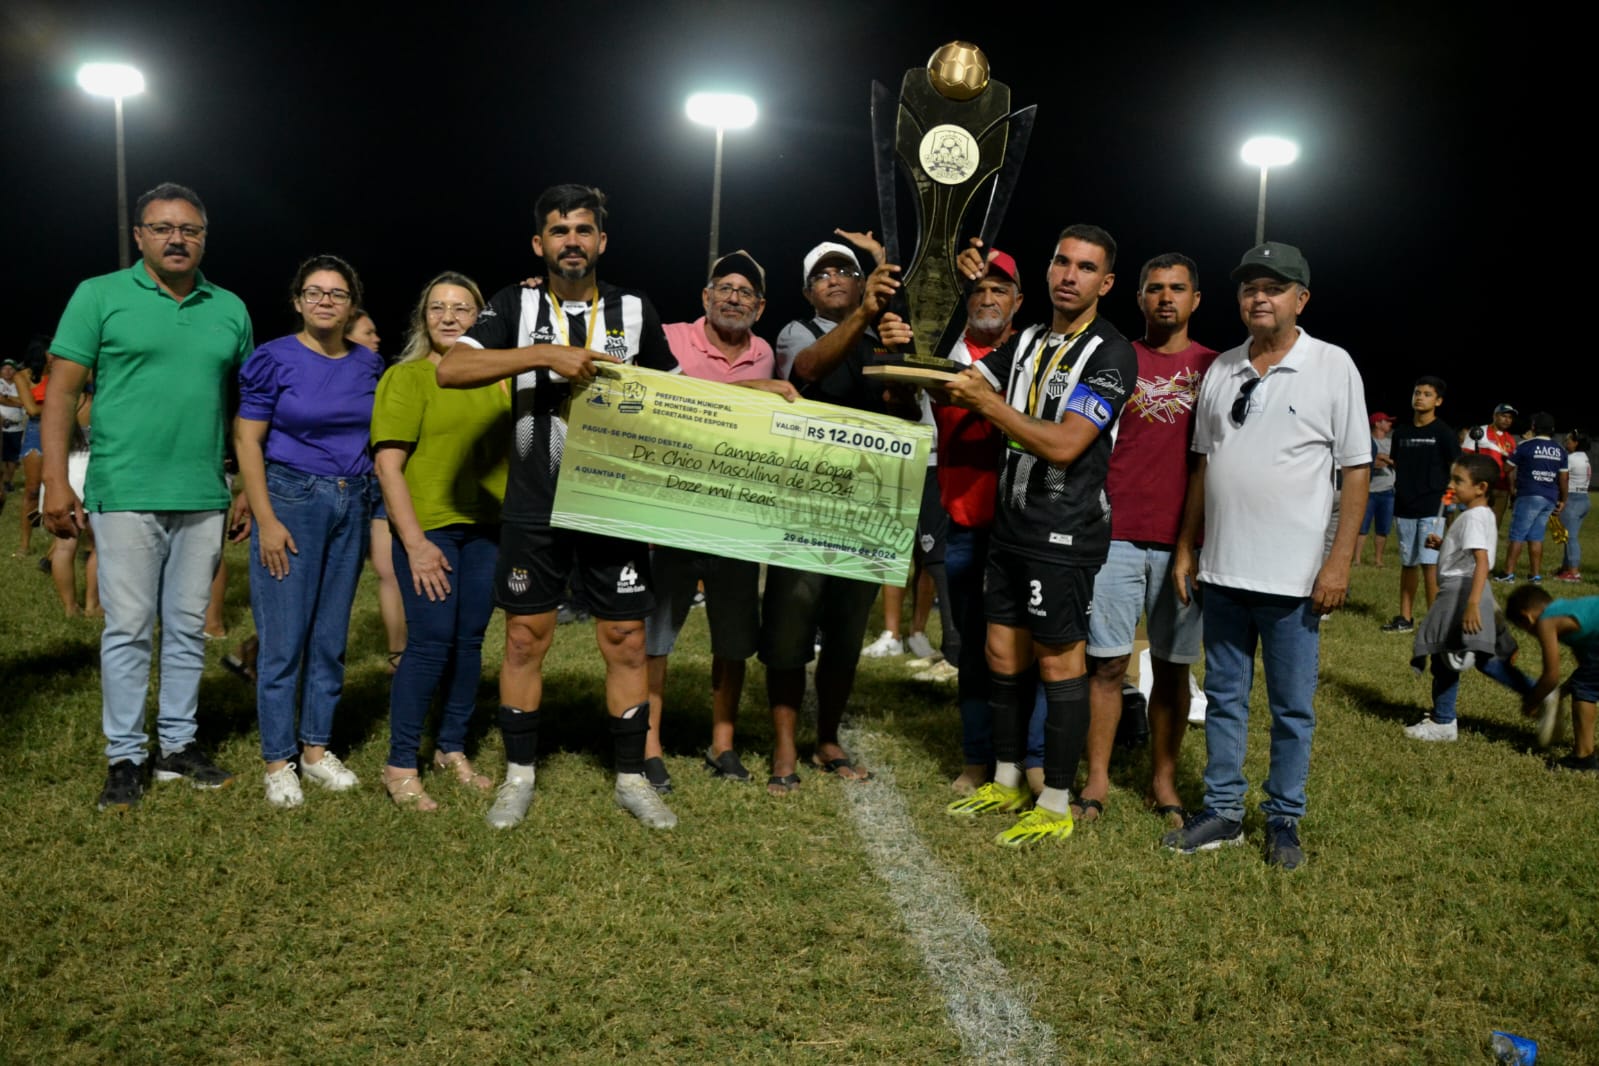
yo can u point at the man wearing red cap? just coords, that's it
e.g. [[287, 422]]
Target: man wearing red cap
[[1380, 501]]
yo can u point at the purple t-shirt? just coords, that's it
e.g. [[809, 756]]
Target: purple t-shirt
[[319, 410]]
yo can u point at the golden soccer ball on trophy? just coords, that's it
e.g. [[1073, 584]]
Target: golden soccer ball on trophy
[[958, 70]]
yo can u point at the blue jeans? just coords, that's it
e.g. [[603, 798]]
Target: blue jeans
[[1379, 512], [153, 564], [443, 641], [1576, 510], [1289, 636], [965, 554], [1446, 683], [303, 621]]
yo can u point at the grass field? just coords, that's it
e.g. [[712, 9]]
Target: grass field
[[1450, 889]]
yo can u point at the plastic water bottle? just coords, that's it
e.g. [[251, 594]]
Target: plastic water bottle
[[1513, 1049]]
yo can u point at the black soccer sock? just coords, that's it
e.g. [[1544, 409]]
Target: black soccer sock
[[520, 730], [1065, 730], [628, 734], [1008, 705]]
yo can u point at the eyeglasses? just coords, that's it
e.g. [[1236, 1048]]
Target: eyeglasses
[[829, 273], [458, 310], [163, 230], [314, 296], [1241, 405], [744, 293]]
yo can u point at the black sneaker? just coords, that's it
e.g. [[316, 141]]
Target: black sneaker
[[1282, 844], [192, 763], [1587, 765], [1399, 624], [655, 773], [124, 786], [1205, 831]]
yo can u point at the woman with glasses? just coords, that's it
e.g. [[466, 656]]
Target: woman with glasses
[[441, 461], [305, 402]]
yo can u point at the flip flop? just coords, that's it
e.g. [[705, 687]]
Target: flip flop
[[727, 766], [1169, 811], [834, 766], [235, 666], [782, 786], [1080, 808]]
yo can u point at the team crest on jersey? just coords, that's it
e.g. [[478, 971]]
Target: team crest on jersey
[[628, 580], [927, 542], [616, 343], [1055, 388], [516, 580]]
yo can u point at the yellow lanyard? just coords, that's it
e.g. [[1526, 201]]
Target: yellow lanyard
[[1052, 363], [558, 313]]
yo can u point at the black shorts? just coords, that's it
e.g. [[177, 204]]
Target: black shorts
[[1051, 600], [610, 577], [932, 522]]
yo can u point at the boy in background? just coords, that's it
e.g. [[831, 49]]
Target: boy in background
[[1423, 450], [1574, 623], [1380, 500], [1461, 629]]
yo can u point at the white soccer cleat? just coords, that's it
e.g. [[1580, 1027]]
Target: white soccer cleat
[[884, 646], [511, 801], [635, 795]]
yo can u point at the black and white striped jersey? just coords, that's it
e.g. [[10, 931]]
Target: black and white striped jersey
[[619, 322], [1045, 510]]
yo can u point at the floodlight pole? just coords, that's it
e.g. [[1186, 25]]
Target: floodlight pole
[[1260, 210], [124, 253], [716, 202]]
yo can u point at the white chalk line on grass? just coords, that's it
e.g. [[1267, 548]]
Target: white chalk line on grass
[[994, 1023]]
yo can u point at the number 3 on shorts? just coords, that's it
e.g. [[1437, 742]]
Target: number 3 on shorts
[[1038, 593]]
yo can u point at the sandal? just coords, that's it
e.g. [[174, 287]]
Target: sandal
[[838, 766], [407, 791], [394, 661], [727, 766], [457, 763], [1080, 808], [1173, 814], [782, 786]]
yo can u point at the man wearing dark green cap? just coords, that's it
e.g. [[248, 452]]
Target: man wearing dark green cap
[[1275, 416]]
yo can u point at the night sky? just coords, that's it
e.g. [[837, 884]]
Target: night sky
[[413, 144]]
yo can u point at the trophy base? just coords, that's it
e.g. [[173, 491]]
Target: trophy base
[[909, 375]]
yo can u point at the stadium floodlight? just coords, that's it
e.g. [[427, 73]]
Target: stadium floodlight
[[1265, 153], [115, 80], [722, 111]]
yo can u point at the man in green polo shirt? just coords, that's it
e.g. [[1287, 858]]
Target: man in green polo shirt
[[164, 346]]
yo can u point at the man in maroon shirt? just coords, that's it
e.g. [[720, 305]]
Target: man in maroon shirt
[[1147, 484]]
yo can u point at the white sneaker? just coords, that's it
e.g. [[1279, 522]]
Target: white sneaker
[[511, 801], [940, 671], [635, 796], [1549, 718], [283, 788], [918, 645], [330, 773], [924, 662], [1427, 729], [884, 646]]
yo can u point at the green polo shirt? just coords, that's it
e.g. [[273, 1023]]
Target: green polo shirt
[[162, 372], [456, 473]]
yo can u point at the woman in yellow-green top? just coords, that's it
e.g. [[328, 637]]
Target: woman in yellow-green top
[[440, 456]]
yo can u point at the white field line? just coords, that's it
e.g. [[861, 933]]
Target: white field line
[[994, 1023]]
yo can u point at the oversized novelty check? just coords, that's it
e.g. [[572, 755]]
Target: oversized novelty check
[[742, 473]]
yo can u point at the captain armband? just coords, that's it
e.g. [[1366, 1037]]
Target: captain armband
[[1088, 403]]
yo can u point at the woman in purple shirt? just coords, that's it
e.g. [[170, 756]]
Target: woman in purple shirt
[[305, 408]]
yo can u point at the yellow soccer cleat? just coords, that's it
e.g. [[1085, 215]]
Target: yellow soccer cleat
[[1038, 824], [992, 798]]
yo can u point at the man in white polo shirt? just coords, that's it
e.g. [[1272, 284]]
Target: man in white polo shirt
[[1275, 415]]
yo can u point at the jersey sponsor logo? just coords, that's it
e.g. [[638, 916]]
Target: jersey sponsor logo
[[927, 542], [1108, 382], [628, 580], [487, 312], [516, 580], [1061, 538], [1166, 400], [542, 335]]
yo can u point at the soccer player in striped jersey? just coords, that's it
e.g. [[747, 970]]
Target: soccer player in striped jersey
[[547, 338], [1055, 391]]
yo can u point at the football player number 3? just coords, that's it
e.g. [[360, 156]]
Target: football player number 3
[[1038, 594]]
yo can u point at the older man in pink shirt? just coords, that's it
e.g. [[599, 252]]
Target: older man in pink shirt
[[718, 346]]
